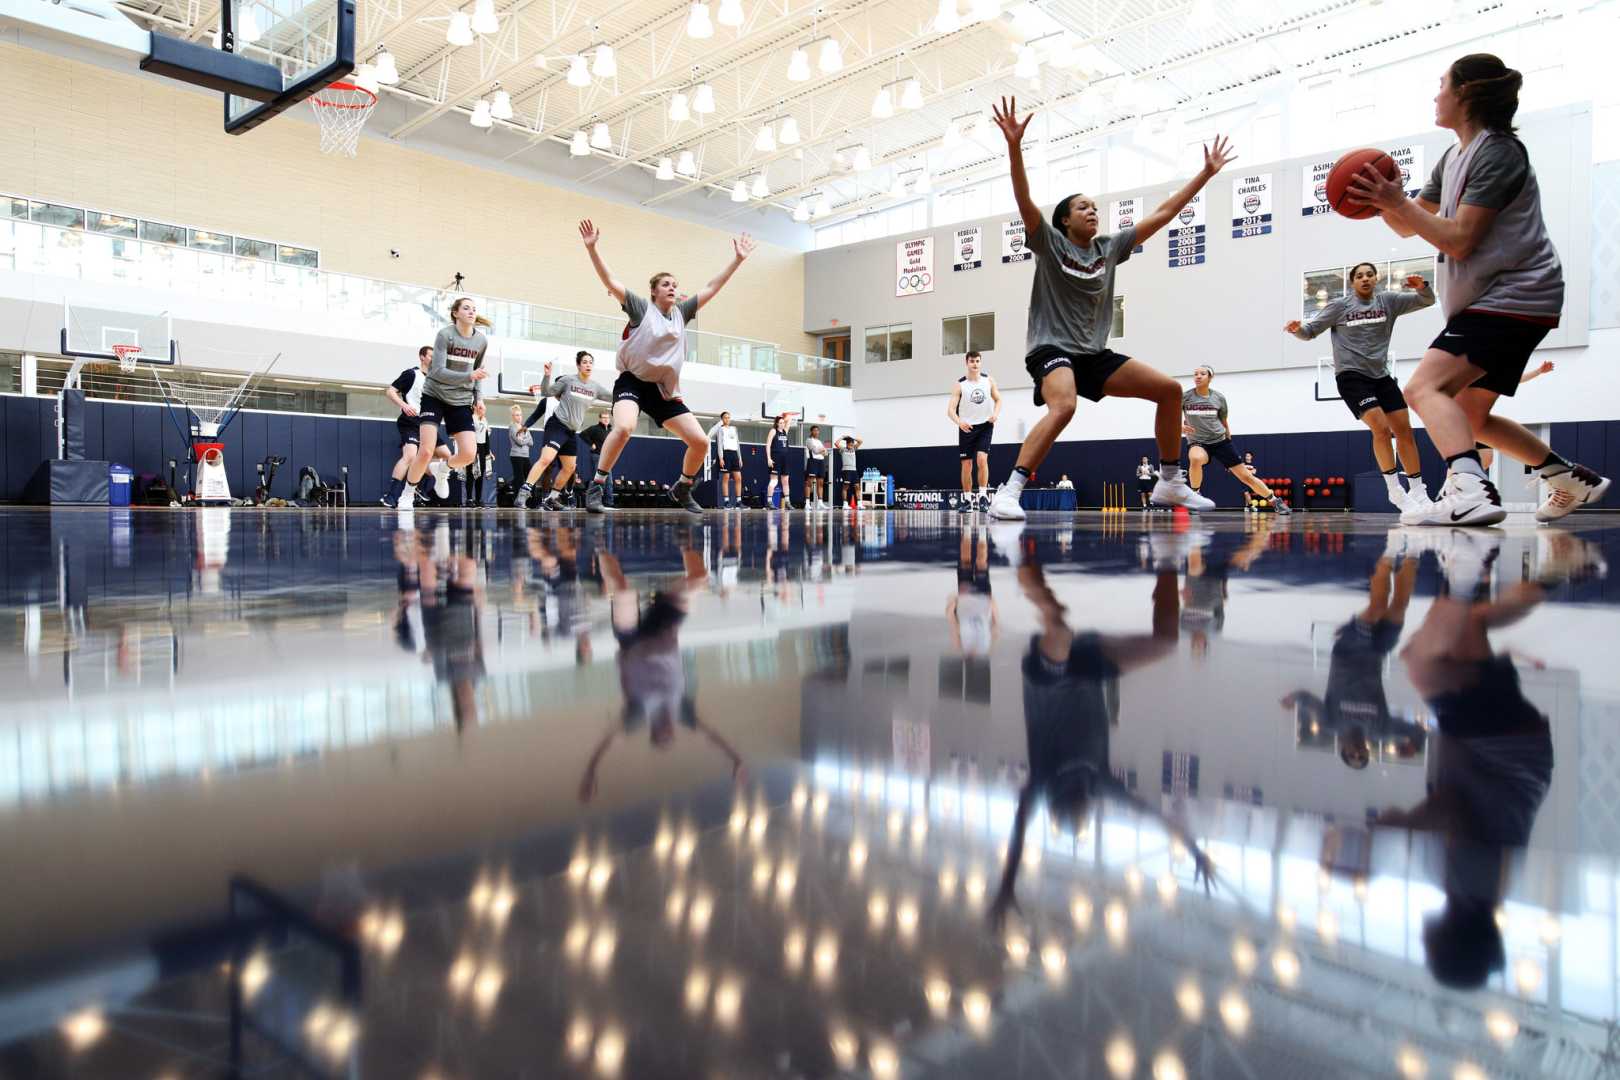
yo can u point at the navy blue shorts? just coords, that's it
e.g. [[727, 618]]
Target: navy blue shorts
[[977, 441], [410, 430], [648, 397], [557, 436], [1500, 344], [731, 461], [453, 418]]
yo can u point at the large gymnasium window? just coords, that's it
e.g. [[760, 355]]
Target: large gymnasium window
[[962, 334], [886, 343]]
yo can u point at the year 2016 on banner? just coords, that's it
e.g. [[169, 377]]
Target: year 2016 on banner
[[1187, 235], [1251, 206]]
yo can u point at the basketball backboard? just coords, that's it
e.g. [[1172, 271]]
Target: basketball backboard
[[91, 332], [311, 42]]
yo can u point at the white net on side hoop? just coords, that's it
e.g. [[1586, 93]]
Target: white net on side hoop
[[210, 400], [342, 109], [127, 355]]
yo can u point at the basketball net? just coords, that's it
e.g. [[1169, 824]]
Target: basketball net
[[127, 357], [342, 109]]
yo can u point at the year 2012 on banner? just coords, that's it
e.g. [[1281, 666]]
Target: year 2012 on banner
[[1187, 234]]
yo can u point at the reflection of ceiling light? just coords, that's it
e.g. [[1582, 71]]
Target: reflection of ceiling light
[[601, 139], [579, 73], [953, 136], [605, 66], [790, 132], [703, 99], [863, 159], [387, 69], [666, 169], [678, 110], [801, 213], [500, 105], [883, 105], [898, 189], [480, 114], [765, 141], [831, 58], [731, 13], [947, 21], [1120, 1057], [460, 31], [798, 66], [698, 24], [1234, 1012], [760, 189], [579, 146], [984, 10], [247, 26], [483, 18], [911, 97], [686, 164]]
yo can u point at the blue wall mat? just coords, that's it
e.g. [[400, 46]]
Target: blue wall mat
[[22, 443], [117, 424]]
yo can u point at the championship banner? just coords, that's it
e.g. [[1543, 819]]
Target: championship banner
[[1251, 206], [969, 253], [1124, 214], [1013, 245], [914, 266], [1410, 159], [918, 499], [1187, 234], [1313, 188]]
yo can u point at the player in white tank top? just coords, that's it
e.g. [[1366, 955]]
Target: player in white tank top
[[975, 404]]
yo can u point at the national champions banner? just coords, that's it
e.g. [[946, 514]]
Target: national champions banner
[[969, 249], [914, 266]]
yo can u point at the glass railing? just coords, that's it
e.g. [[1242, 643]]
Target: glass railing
[[37, 248]]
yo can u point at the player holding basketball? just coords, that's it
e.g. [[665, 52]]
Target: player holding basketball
[[975, 404], [1502, 290], [575, 394], [1071, 311], [650, 359], [1362, 322], [1209, 437], [453, 384], [728, 450]]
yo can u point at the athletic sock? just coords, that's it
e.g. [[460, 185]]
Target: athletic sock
[[601, 477], [1015, 482], [1468, 462], [396, 488], [1554, 463], [1169, 471], [1392, 481]]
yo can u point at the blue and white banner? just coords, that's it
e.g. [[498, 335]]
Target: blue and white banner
[[1251, 206], [1127, 212], [1187, 234], [969, 249], [1313, 198], [1014, 244]]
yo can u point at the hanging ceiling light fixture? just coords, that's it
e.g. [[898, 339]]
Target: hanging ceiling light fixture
[[697, 23], [898, 189], [1027, 67], [946, 21], [823, 205], [801, 213], [387, 68], [579, 72], [459, 32], [882, 104], [686, 164], [703, 99], [605, 65], [765, 141], [984, 10], [911, 97], [247, 26], [666, 169], [365, 77], [601, 138], [760, 189], [679, 110], [953, 135], [500, 105], [739, 192], [925, 183], [799, 66], [480, 114], [579, 146], [483, 18], [731, 13], [790, 132], [831, 59], [863, 159]]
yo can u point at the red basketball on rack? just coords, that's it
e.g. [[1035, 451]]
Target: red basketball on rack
[[1339, 194]]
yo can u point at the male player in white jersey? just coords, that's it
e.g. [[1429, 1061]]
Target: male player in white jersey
[[728, 451], [406, 394], [975, 404]]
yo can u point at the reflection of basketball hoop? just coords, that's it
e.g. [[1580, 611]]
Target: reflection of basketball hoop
[[127, 355], [342, 109]]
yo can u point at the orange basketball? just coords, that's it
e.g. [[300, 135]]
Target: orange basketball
[[1339, 195]]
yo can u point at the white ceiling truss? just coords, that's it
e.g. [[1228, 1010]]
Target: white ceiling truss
[[1092, 66]]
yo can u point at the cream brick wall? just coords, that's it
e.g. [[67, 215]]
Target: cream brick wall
[[65, 124]]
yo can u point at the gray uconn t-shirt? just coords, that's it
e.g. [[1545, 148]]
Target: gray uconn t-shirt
[[1362, 328], [455, 358], [574, 398], [1071, 300], [1205, 415]]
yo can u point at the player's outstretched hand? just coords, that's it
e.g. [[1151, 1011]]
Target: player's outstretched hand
[[1218, 155], [743, 246], [1006, 116], [589, 233]]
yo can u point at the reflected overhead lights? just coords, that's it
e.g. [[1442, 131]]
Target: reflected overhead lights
[[483, 17], [1115, 922], [1167, 1066], [798, 66], [687, 842], [1054, 959], [787, 876], [1080, 911], [801, 794], [459, 31], [601, 138], [1133, 880], [946, 21], [857, 854], [905, 916], [247, 30], [1502, 1027], [1410, 1064], [255, 972], [1468, 1071], [757, 825], [698, 23], [500, 105], [1286, 918], [728, 1001], [937, 992], [1551, 931], [762, 875], [844, 1046], [387, 67], [793, 950], [696, 994], [1234, 1012], [1167, 887], [699, 913], [84, 1028], [877, 911], [831, 57], [911, 97], [665, 839], [577, 1039], [1244, 957], [703, 99], [679, 110], [1190, 1000], [825, 956], [883, 1059], [1527, 976], [882, 104], [1120, 1057], [610, 1051], [1017, 948], [973, 885], [730, 13], [579, 72], [1327, 927], [604, 65], [947, 883], [1285, 965], [579, 145]]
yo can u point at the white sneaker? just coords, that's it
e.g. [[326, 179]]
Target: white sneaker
[[441, 477], [1416, 501], [1465, 499], [1005, 506], [1007, 537], [1178, 493], [407, 499], [1569, 488], [1563, 557], [1465, 558]]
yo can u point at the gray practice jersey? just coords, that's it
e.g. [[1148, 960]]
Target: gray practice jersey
[[1514, 270], [1071, 300], [455, 358], [574, 399], [1205, 415], [1362, 328]]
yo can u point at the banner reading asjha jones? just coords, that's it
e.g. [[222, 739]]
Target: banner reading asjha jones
[[914, 266]]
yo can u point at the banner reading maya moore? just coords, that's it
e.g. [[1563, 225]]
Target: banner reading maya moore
[[1251, 206], [1187, 234], [914, 266], [1125, 213], [1014, 245], [1313, 198], [969, 249]]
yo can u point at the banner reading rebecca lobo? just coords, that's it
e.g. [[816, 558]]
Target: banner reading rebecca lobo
[[914, 266], [1013, 246], [969, 253]]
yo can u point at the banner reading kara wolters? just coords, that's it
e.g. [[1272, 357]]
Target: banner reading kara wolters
[[969, 253], [1013, 245], [1251, 206], [1187, 234], [914, 266], [1125, 213]]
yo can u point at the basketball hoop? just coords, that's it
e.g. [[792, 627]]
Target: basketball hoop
[[342, 109], [127, 355]]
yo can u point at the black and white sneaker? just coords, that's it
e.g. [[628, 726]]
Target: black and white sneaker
[[1466, 558], [593, 499], [524, 494], [1568, 488], [681, 496], [1279, 507], [966, 506], [1465, 499], [388, 501], [552, 501]]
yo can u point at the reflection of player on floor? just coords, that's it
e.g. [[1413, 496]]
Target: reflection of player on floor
[[1071, 312], [406, 394], [1354, 708], [728, 455], [1502, 290], [1071, 703], [575, 394], [650, 359], [1362, 322], [651, 671], [971, 609], [1209, 437], [974, 406], [454, 383]]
